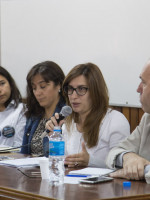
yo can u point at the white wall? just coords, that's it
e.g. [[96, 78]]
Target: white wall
[[114, 34]]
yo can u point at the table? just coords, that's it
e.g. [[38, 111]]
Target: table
[[15, 185]]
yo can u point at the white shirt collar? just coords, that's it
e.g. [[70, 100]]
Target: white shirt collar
[[11, 104]]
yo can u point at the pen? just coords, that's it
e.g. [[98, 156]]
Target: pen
[[76, 175]]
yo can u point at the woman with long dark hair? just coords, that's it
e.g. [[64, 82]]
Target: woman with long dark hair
[[12, 118], [44, 98]]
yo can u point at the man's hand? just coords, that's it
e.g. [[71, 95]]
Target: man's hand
[[133, 167]]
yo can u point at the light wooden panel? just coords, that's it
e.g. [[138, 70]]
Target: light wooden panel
[[133, 115]]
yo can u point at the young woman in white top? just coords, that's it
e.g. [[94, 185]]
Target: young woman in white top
[[92, 129], [12, 119]]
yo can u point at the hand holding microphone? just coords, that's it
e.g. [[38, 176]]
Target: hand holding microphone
[[57, 120], [54, 121]]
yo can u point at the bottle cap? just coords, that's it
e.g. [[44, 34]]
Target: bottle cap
[[126, 184], [57, 128]]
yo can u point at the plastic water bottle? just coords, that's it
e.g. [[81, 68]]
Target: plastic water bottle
[[56, 157]]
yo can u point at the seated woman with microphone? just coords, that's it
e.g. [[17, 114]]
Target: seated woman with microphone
[[44, 98], [12, 118], [92, 129]]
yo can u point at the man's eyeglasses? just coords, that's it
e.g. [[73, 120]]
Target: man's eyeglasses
[[81, 90]]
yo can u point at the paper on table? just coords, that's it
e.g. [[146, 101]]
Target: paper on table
[[72, 180], [92, 171], [86, 171], [22, 162]]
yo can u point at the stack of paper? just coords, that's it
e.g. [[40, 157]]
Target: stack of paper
[[77, 175], [22, 162], [92, 171]]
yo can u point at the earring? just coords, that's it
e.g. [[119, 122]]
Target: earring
[[59, 91]]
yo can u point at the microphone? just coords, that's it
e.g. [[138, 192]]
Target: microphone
[[65, 112]]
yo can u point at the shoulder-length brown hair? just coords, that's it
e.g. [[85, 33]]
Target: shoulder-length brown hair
[[15, 93], [50, 71], [100, 100]]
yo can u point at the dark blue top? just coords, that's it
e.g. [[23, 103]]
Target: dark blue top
[[31, 126]]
